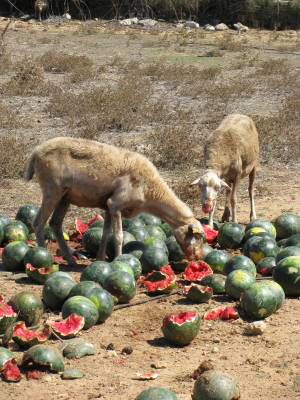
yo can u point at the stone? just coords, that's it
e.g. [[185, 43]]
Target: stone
[[240, 27], [191, 24], [255, 328], [221, 27], [128, 21], [209, 28], [147, 22]]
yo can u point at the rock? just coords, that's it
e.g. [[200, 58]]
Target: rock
[[147, 22], [180, 25], [25, 17], [215, 349], [221, 27], [72, 374], [67, 16], [128, 21], [78, 348], [127, 350], [255, 328], [240, 27], [209, 28], [191, 24]]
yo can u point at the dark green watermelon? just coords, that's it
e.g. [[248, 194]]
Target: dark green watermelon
[[127, 238], [259, 301], [230, 235], [38, 257], [150, 219], [167, 229], [287, 274], [56, 290], [256, 231], [237, 282], [216, 282], [153, 258], [293, 240], [128, 223], [156, 231], [240, 262], [286, 225], [260, 248], [15, 231], [139, 232], [44, 356], [156, 242], [287, 252], [266, 265], [83, 288], [133, 262], [217, 259], [277, 289], [91, 240], [156, 393], [98, 271], [97, 224], [135, 248], [81, 305], [104, 302], [121, 285], [181, 328], [206, 249], [121, 266], [175, 252], [261, 223], [27, 215], [13, 256], [198, 293], [28, 306]]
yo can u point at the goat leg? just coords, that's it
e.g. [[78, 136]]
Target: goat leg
[[106, 231], [251, 194]]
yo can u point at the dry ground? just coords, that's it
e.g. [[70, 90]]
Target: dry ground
[[160, 92]]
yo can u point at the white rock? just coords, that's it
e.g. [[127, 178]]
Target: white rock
[[147, 22], [67, 16], [240, 27], [191, 24], [129, 21], [221, 27], [209, 28], [255, 328]]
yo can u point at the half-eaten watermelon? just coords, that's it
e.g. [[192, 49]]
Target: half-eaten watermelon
[[11, 372], [194, 272], [210, 234], [7, 316], [40, 275], [69, 327], [197, 293], [162, 281], [26, 337], [225, 313], [181, 328]]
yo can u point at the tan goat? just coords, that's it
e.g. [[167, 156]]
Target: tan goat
[[231, 153], [92, 174]]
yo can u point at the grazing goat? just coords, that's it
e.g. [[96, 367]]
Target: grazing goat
[[231, 153], [87, 173], [40, 6]]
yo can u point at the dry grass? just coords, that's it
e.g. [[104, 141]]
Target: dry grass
[[59, 62], [228, 42], [8, 117], [5, 63], [273, 67]]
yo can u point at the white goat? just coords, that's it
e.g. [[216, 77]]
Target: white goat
[[92, 174], [231, 153]]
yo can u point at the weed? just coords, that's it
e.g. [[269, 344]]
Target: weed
[[228, 42], [8, 118], [59, 62]]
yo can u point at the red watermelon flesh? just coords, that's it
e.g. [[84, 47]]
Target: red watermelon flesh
[[161, 281], [210, 234], [80, 226], [6, 310], [196, 271], [182, 318], [26, 337], [204, 289], [97, 217], [11, 372], [69, 327], [221, 313], [1, 250]]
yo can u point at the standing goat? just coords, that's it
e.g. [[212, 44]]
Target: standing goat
[[40, 7], [231, 153], [92, 174]]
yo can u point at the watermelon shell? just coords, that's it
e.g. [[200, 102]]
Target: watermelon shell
[[162, 281], [25, 337], [40, 275], [216, 282], [68, 327], [181, 328], [195, 272], [7, 316], [198, 293]]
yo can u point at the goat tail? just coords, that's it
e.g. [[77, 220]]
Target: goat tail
[[29, 170]]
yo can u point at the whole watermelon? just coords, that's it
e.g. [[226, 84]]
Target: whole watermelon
[[261, 223], [293, 240], [156, 231], [259, 301], [156, 393], [139, 232], [83, 288], [215, 385], [56, 290], [175, 252], [216, 282], [98, 271], [104, 302], [38, 257], [27, 215], [13, 256], [121, 266], [153, 258], [258, 248], [15, 231], [150, 219], [28, 306], [240, 262], [121, 285], [133, 262], [286, 225], [287, 274], [217, 259], [127, 238], [230, 235], [287, 252], [266, 265], [91, 240], [237, 282]]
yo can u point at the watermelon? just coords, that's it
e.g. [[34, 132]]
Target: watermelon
[[56, 290], [286, 225], [215, 385], [98, 271], [4, 221], [140, 233], [28, 306], [121, 285], [91, 240], [27, 215], [255, 231], [240, 262], [195, 272], [181, 328], [261, 223], [69, 327], [152, 241], [104, 302], [260, 248], [13, 256], [81, 306], [97, 224], [80, 226], [175, 252], [259, 301], [206, 249], [121, 266], [237, 282], [216, 282], [127, 238], [133, 262], [83, 288], [156, 231], [216, 225], [162, 281], [287, 252], [216, 259], [135, 248], [15, 231], [198, 293], [287, 274], [293, 240], [44, 356], [25, 337], [153, 258], [230, 235], [40, 275], [149, 219], [8, 366], [278, 291], [38, 257], [224, 313], [282, 242], [167, 229], [210, 235], [128, 223], [7, 316], [156, 393], [266, 265]]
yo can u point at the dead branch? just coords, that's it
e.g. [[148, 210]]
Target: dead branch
[[2, 38], [162, 296]]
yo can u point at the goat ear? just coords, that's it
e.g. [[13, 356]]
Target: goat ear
[[196, 182], [224, 184]]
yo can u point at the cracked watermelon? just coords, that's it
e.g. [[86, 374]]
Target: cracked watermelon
[[38, 257], [25, 337], [81, 306], [181, 328], [266, 265], [162, 281], [8, 366], [40, 275], [7, 316], [223, 313], [195, 272], [69, 327], [216, 282], [198, 293], [44, 356], [287, 274]]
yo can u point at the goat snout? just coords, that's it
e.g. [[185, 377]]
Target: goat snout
[[208, 206]]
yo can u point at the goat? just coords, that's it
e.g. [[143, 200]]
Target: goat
[[231, 153], [87, 173], [40, 6]]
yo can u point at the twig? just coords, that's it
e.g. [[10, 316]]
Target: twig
[[2, 44], [162, 296]]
